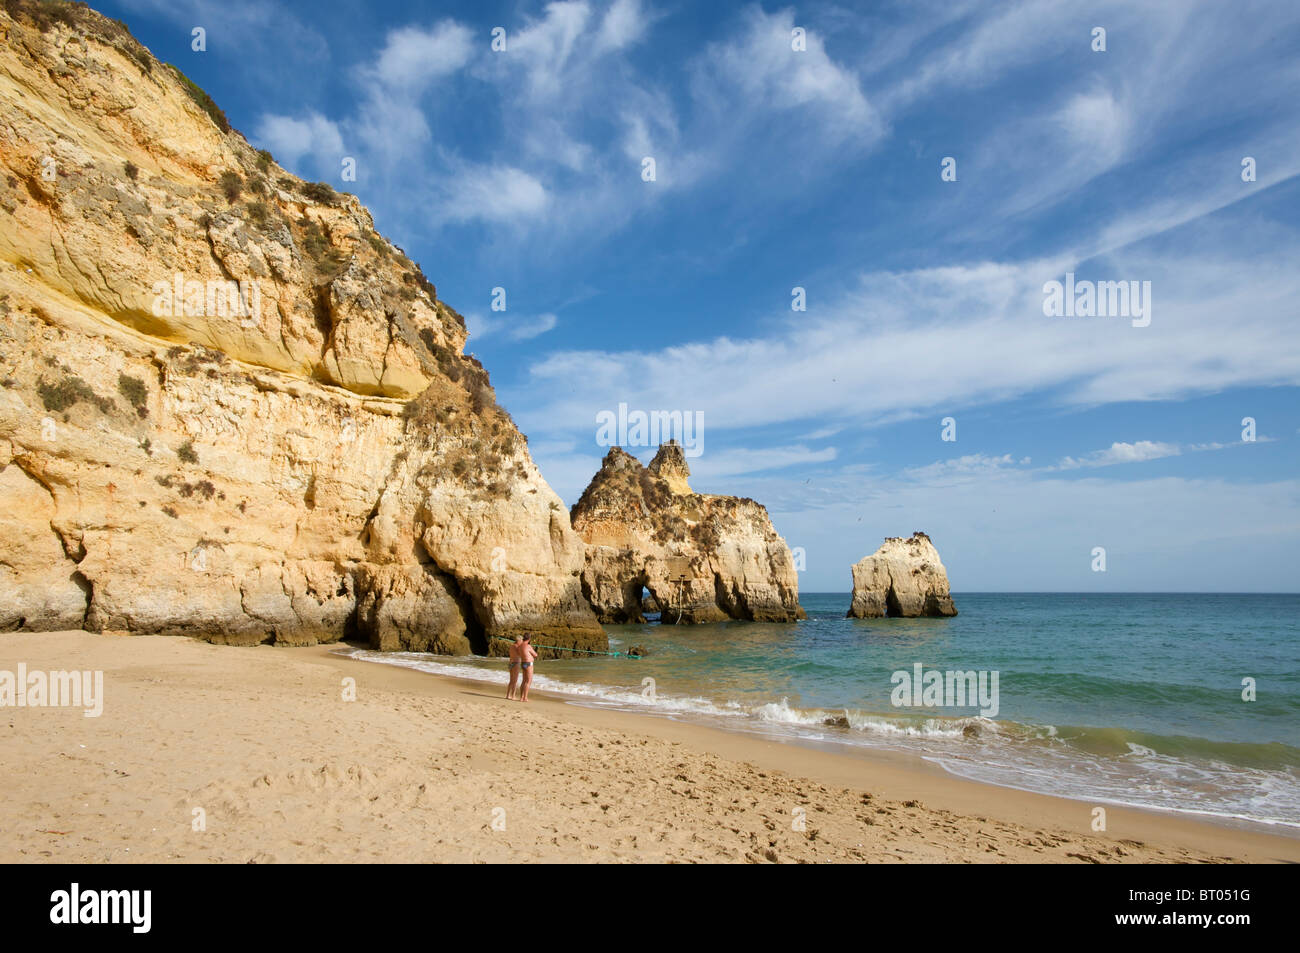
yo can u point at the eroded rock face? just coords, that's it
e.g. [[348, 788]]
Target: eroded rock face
[[326, 463], [644, 526], [904, 577], [417, 609], [40, 586]]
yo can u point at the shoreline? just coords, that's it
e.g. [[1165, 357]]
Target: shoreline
[[900, 774], [413, 770], [787, 734]]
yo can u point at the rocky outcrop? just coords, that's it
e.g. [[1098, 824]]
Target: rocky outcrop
[[703, 558], [229, 408], [904, 577]]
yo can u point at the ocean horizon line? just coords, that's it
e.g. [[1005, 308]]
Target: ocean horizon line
[[1077, 592]]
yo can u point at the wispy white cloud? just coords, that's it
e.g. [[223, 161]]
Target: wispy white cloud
[[390, 127], [1097, 122], [564, 174], [290, 139], [509, 325], [761, 69], [1119, 452], [413, 58], [968, 467], [996, 41], [713, 465], [1141, 451], [947, 338], [501, 194], [624, 24]]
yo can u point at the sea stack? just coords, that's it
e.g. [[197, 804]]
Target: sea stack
[[704, 558], [230, 408], [904, 577]]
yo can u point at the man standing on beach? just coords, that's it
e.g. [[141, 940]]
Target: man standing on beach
[[514, 666], [527, 655]]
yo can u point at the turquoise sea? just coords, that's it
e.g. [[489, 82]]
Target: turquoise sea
[[1121, 698]]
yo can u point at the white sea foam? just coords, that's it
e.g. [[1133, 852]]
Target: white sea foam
[[782, 713], [1167, 788]]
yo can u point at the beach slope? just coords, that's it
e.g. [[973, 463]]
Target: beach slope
[[209, 753]]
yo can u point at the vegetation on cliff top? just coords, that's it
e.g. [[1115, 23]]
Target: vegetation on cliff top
[[202, 99], [44, 15]]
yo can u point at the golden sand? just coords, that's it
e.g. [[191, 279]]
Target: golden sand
[[231, 755]]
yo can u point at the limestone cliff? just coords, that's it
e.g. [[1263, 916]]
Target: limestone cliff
[[646, 527], [904, 577], [229, 407]]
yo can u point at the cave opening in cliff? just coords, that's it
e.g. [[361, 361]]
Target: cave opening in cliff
[[634, 591], [893, 608], [475, 631], [649, 604]]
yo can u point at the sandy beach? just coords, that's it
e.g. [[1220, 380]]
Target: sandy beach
[[220, 754]]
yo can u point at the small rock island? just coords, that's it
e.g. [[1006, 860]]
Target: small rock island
[[704, 558], [904, 577]]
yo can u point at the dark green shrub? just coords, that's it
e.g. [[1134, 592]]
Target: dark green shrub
[[425, 284], [482, 398], [139, 54], [136, 394], [204, 488], [131, 169], [259, 213], [69, 391], [232, 185], [185, 452], [332, 263], [42, 14], [202, 99], [314, 242], [321, 192]]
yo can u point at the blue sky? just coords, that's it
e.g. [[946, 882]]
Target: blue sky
[[819, 168]]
